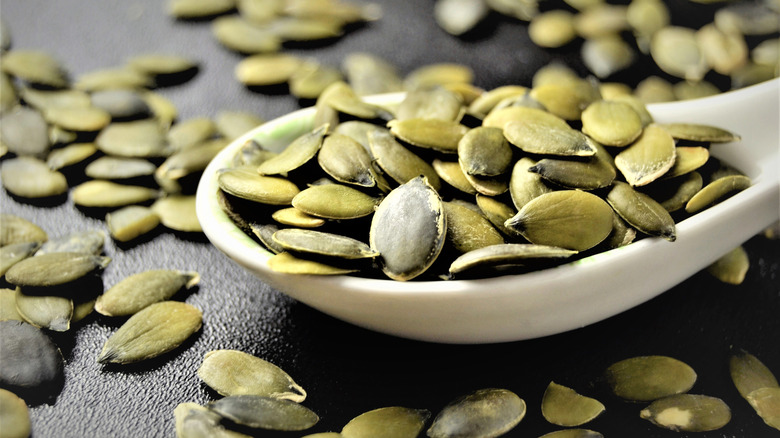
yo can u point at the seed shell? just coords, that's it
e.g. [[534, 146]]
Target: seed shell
[[30, 358], [748, 373], [497, 213], [263, 70], [565, 407], [431, 103], [112, 79], [121, 104], [676, 51], [193, 9], [434, 74], [647, 378], [483, 413], [717, 191], [14, 415], [117, 168], [457, 17], [49, 312], [387, 422], [78, 119], [688, 413], [524, 185], [129, 222], [156, 64], [451, 173], [233, 372], [137, 291], [589, 174], [369, 74], [312, 79], [296, 218], [36, 67], [54, 269], [648, 158], [233, 124], [154, 330], [136, 139]]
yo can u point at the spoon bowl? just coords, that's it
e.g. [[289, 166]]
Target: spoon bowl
[[549, 301]]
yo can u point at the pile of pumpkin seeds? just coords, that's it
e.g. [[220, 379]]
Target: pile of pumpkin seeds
[[467, 185], [614, 36]]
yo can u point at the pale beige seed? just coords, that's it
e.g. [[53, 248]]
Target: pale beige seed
[[748, 18], [398, 162], [641, 211], [243, 36], [606, 55], [190, 132], [346, 160], [233, 372], [647, 378], [565, 407], [48, 312], [545, 139], [602, 19], [317, 243], [260, 412], [9, 97], [485, 413], [766, 402], [766, 52], [158, 64], [389, 422], [312, 79], [524, 185], [293, 217], [15, 229], [301, 29], [611, 123], [552, 73], [647, 158], [654, 89], [457, 17], [499, 117], [570, 219], [136, 139], [245, 183], [676, 51], [566, 100], [342, 98], [233, 124], [748, 373], [14, 415], [86, 119], [752, 74], [30, 177], [431, 103], [687, 159], [334, 201], [54, 269], [451, 173], [189, 9], [132, 221], [113, 79], [645, 18], [484, 151], [731, 267], [107, 194], [699, 132], [36, 67], [137, 291], [87, 242], [552, 29], [8, 310], [468, 230], [507, 254], [155, 330], [14, 253], [296, 154], [688, 413], [287, 263], [437, 74], [724, 51], [46, 99], [177, 212], [368, 74], [70, 155], [613, 90], [24, 132], [266, 69], [717, 191], [121, 104], [685, 90]]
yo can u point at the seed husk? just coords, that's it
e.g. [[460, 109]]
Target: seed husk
[[641, 211], [137, 291], [87, 242], [129, 222], [151, 332], [296, 154], [766, 402], [611, 123], [265, 232], [49, 312], [717, 191], [36, 67], [589, 174], [8, 305], [264, 412], [647, 378], [190, 132], [507, 254], [289, 264], [30, 177], [488, 185], [387, 422], [54, 269], [654, 89], [483, 413], [233, 372], [177, 212], [14, 415], [569, 219], [107, 194], [319, 243], [70, 155], [164, 111], [397, 161], [573, 433], [194, 420], [15, 229], [245, 183], [30, 358], [565, 407], [334, 201], [117, 168], [24, 132], [346, 160], [484, 151], [688, 413], [731, 267], [136, 139], [749, 374]]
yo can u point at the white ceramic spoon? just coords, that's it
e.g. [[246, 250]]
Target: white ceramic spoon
[[550, 301]]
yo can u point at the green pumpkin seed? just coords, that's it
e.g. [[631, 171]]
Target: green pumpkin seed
[[70, 155], [699, 132], [606, 55], [432, 103], [334, 201], [593, 173], [87, 242], [264, 70], [731, 267], [341, 97], [16, 252], [322, 244], [569, 219], [523, 10], [524, 185], [117, 168], [552, 73], [300, 29], [611, 123], [192, 160], [30, 358], [483, 413], [766, 402], [24, 132], [431, 75], [457, 17], [245, 183], [654, 89], [766, 52], [296, 218], [296, 154], [636, 104], [497, 213], [30, 177], [190, 133], [14, 415], [54, 269], [8, 310], [507, 254], [387, 422], [398, 162], [193, 9], [177, 212], [194, 420], [35, 67], [749, 374], [687, 159], [233, 124], [49, 312], [645, 18], [113, 79], [622, 234], [647, 378], [86, 119], [489, 186], [137, 291], [129, 222], [265, 232], [648, 158], [43, 100], [540, 138], [717, 191], [566, 100], [161, 64], [747, 18], [723, 51], [468, 230], [233, 372], [565, 407], [15, 229], [137, 139], [573, 433], [601, 19], [311, 80], [264, 412], [162, 108], [107, 194], [452, 174], [693, 90], [676, 51], [346, 160], [552, 29], [675, 193], [641, 211], [154, 330], [289, 264], [484, 151], [688, 413], [409, 229], [369, 74], [485, 102], [499, 117]]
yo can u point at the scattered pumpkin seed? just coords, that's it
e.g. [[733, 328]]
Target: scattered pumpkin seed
[[194, 9], [647, 378], [86, 119], [434, 74], [688, 413], [49, 312], [24, 132], [70, 155], [387, 422], [129, 222], [699, 132], [161, 64], [29, 357], [137, 291], [14, 415], [108, 194], [30, 177], [15, 229], [118, 168], [748, 373], [177, 212], [468, 230], [676, 51], [36, 67], [247, 184], [717, 191], [539, 138], [606, 55], [641, 211], [369, 74], [87, 242], [552, 29], [431, 103], [565, 407], [731, 267], [233, 124], [296, 218], [482, 413], [611, 123], [262, 412], [16, 252], [8, 305], [43, 100], [136, 139], [457, 17], [54, 269], [112, 79], [766, 402], [311, 80]]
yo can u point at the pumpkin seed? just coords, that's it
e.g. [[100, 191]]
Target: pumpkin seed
[[676, 51], [490, 186], [233, 124], [699, 132], [593, 173], [247, 184], [641, 211], [606, 55], [162, 108], [747, 19], [152, 331], [369, 74], [136, 139], [16, 252], [49, 312], [717, 191], [431, 103], [193, 9], [257, 411], [86, 119], [749, 374], [453, 175], [24, 132], [731, 267], [265, 232], [9, 97], [54, 269], [70, 155], [346, 160], [112, 79], [687, 159], [647, 378], [675, 193], [30, 177], [457, 17], [15, 229], [296, 218], [296, 154], [654, 89], [334, 201], [573, 433], [161, 64], [87, 242], [43, 100], [646, 17], [233, 372], [638, 106], [566, 99], [387, 422], [499, 117], [301, 29], [142, 289], [552, 29], [325, 244], [540, 138], [263, 70], [442, 73], [482, 413], [191, 132], [118, 168], [484, 151], [194, 420], [289, 264], [312, 79], [622, 234], [400, 163], [497, 213], [766, 52], [14, 415], [129, 222], [507, 254], [485, 102], [29, 357], [36, 67], [601, 19], [468, 230], [688, 413], [693, 90], [190, 161], [177, 212], [611, 123], [341, 97], [570, 219], [8, 305], [107, 194], [520, 9], [524, 185], [751, 74], [648, 158], [565, 407], [766, 402]]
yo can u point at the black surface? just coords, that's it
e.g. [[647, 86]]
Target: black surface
[[348, 370]]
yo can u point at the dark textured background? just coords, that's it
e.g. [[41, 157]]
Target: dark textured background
[[348, 370]]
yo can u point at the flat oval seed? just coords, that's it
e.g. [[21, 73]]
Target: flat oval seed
[[748, 373], [320, 243], [731, 267], [409, 229], [346, 160], [14, 415], [573, 433], [79, 119], [265, 234], [296, 154], [431, 103], [157, 64], [233, 372], [442, 73], [452, 174], [289, 264], [483, 413], [688, 413], [436, 134], [369, 74], [296, 218], [641, 211], [48, 312], [497, 213], [266, 69], [566, 100], [569, 219], [14, 253], [593, 173], [675, 193], [541, 138], [137, 291], [265, 412], [137, 139], [14, 229], [766, 402], [501, 116], [35, 67], [177, 212], [647, 378], [457, 17], [606, 55], [342, 98], [611, 123], [129, 222], [388, 422], [648, 158], [30, 358], [70, 155], [699, 132], [312, 79], [54, 269], [87, 242], [525, 185], [334, 201], [243, 36], [687, 159], [233, 124], [112, 79], [247, 184], [156, 329], [117, 168], [468, 230], [717, 191], [507, 254], [193, 9], [45, 99], [485, 102], [676, 51], [194, 420], [24, 132], [107, 194], [399, 162], [552, 29], [565, 407], [30, 177], [484, 151]]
